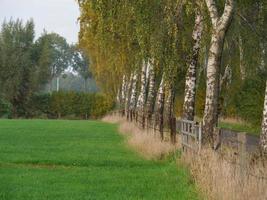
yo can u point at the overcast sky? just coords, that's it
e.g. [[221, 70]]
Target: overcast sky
[[58, 16]]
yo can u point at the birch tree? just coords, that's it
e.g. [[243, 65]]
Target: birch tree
[[219, 27], [133, 98], [190, 84], [140, 107], [263, 137], [128, 95], [160, 106], [151, 90]]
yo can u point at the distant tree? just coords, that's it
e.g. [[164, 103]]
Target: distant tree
[[80, 63], [54, 56], [17, 66]]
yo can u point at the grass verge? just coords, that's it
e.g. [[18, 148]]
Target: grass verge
[[71, 160]]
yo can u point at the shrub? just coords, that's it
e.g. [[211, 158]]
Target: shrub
[[249, 102], [101, 105], [70, 105], [5, 108], [40, 105]]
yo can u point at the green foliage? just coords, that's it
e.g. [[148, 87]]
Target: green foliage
[[16, 64], [40, 105], [5, 108], [72, 105], [249, 101], [53, 53]]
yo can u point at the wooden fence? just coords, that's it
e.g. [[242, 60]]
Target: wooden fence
[[241, 145], [191, 134]]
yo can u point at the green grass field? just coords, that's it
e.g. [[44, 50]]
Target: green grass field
[[77, 160]]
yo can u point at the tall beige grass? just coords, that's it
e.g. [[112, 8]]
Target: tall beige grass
[[147, 143], [220, 179], [216, 177]]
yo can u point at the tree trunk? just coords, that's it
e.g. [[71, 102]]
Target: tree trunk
[[151, 91], [133, 98], [123, 95], [160, 107], [227, 76], [170, 110], [57, 84], [142, 96], [219, 26], [263, 137], [241, 57], [190, 84], [128, 96]]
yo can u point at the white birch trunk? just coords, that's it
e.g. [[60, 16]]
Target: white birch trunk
[[160, 95], [190, 83], [227, 77], [123, 93], [160, 106], [142, 96], [151, 90], [134, 92], [241, 57], [263, 137], [219, 26], [128, 94]]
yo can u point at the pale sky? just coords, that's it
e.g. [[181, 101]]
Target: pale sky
[[58, 16]]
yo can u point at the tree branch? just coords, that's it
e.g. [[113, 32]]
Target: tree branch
[[227, 14], [213, 12]]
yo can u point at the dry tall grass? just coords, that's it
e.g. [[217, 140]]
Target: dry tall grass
[[221, 179], [145, 142], [216, 177]]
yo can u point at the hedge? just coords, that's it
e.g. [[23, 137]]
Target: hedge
[[70, 105]]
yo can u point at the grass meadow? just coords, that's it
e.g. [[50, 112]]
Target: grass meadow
[[77, 160]]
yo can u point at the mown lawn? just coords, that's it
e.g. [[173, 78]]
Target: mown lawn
[[77, 160]]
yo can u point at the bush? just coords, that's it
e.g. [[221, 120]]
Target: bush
[[40, 105], [249, 102], [5, 108], [70, 105]]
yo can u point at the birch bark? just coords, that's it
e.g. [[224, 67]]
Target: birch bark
[[151, 90], [142, 96], [190, 84], [133, 98], [219, 28], [128, 95], [241, 57], [160, 107], [263, 137], [123, 94]]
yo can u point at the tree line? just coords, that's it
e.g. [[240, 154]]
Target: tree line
[[204, 58], [28, 64]]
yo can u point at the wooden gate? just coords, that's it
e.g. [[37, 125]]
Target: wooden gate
[[191, 134]]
